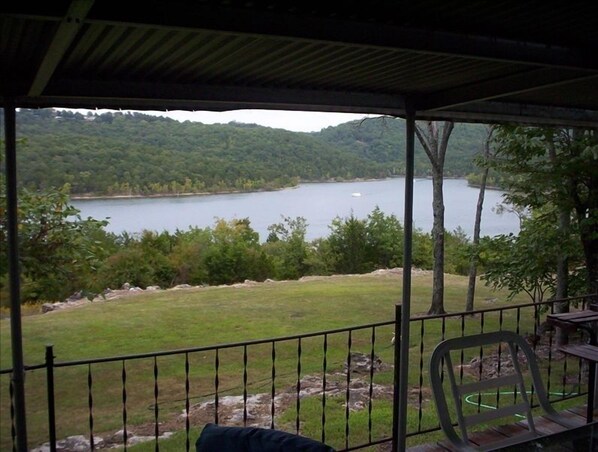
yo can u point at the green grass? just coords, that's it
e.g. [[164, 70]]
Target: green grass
[[202, 317]]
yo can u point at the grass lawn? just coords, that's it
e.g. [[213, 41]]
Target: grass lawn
[[169, 320]]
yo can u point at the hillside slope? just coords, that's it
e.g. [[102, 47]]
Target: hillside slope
[[133, 153]]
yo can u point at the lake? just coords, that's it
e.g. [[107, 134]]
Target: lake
[[318, 203]]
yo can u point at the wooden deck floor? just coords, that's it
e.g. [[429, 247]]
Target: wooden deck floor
[[543, 425]]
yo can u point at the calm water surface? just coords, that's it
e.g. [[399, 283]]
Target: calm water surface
[[318, 203]]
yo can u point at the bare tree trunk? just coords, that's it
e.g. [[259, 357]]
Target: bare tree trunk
[[437, 306], [435, 149], [475, 257]]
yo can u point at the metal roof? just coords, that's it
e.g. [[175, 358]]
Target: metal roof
[[496, 60]]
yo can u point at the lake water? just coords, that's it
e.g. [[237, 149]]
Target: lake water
[[318, 203]]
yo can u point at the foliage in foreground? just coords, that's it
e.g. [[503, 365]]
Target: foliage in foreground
[[59, 251], [553, 175]]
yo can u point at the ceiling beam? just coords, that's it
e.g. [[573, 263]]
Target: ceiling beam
[[240, 96], [352, 32], [64, 36], [519, 83], [482, 112], [503, 112]]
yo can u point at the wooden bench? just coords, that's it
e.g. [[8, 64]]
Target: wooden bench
[[498, 434]]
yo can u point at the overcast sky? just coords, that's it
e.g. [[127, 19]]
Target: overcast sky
[[298, 121]]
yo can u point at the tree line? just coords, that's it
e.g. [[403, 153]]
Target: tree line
[[137, 154]]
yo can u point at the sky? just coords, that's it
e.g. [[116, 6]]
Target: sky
[[297, 121]]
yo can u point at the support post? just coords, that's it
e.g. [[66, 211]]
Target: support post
[[18, 374], [400, 439]]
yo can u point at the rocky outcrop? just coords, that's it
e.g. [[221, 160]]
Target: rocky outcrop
[[127, 289]]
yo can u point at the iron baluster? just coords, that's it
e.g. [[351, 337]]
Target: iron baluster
[[462, 354], [579, 372], [442, 337], [273, 392], [396, 378], [420, 397], [499, 364], [371, 391], [156, 407], [13, 428], [245, 385], [535, 341], [480, 366], [90, 404], [216, 385], [51, 400], [187, 407], [348, 390], [443, 328], [297, 417], [549, 370], [482, 319], [124, 400], [324, 365], [517, 329]]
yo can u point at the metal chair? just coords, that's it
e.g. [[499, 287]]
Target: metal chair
[[515, 342]]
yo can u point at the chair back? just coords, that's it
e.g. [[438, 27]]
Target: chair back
[[515, 344]]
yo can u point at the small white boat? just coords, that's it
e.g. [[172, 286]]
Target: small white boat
[[356, 194]]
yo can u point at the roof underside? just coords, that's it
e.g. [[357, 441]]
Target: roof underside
[[483, 61]]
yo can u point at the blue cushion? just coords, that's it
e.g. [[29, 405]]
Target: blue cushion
[[214, 438]]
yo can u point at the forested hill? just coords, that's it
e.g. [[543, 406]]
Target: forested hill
[[133, 153], [383, 140]]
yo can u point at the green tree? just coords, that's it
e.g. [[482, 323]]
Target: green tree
[[458, 249], [348, 245], [188, 256], [526, 263], [235, 254], [286, 243], [384, 240], [59, 251], [128, 265], [555, 167]]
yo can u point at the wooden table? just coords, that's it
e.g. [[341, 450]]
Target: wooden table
[[571, 321], [581, 320]]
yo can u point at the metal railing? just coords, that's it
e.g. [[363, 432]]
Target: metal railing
[[337, 386]]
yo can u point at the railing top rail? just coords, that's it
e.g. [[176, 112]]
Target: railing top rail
[[503, 308], [209, 347]]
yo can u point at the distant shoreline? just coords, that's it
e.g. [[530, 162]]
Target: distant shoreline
[[209, 193], [171, 195], [231, 192]]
